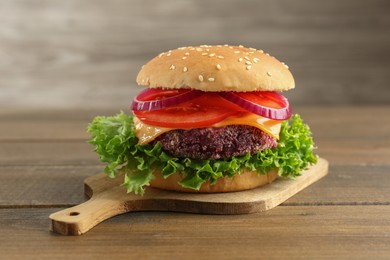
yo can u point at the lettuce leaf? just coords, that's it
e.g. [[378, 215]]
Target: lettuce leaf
[[116, 143]]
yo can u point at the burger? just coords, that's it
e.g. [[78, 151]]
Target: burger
[[211, 119]]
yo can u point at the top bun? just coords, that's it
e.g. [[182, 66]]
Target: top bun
[[216, 68]]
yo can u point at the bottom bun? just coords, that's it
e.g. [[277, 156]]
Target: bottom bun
[[244, 181]]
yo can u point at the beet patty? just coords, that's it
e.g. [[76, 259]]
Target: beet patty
[[215, 143]]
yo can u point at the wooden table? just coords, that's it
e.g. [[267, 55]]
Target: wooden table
[[44, 159]]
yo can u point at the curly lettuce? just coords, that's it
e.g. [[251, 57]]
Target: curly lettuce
[[116, 143]]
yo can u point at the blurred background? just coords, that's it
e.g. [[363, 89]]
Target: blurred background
[[57, 54]]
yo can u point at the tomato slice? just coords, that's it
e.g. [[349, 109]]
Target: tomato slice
[[158, 94], [264, 98], [196, 109], [203, 111]]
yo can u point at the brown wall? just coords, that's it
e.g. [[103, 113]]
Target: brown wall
[[86, 53]]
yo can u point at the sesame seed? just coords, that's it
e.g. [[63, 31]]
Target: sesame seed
[[169, 54], [205, 53], [251, 52], [182, 48], [240, 46], [200, 77], [211, 54], [199, 49], [252, 49], [221, 57], [248, 62], [237, 52], [184, 57], [226, 45], [240, 59], [219, 67], [255, 60], [247, 58], [211, 79], [261, 51], [203, 45], [230, 47], [267, 54], [161, 54], [185, 69], [284, 64], [172, 67], [269, 73], [248, 67], [187, 53]]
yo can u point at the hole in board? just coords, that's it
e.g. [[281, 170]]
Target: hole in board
[[74, 213]]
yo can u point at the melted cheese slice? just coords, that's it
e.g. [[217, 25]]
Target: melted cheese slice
[[270, 126], [147, 133]]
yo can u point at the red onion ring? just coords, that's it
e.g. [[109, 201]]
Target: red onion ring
[[140, 104], [282, 113]]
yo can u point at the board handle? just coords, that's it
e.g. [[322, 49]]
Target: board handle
[[79, 219]]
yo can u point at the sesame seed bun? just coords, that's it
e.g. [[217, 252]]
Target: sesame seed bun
[[244, 181], [216, 68]]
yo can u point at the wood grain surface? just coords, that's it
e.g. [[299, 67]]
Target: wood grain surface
[[344, 215], [293, 232], [63, 62], [61, 54]]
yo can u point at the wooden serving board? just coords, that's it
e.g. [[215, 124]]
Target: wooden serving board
[[108, 198]]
